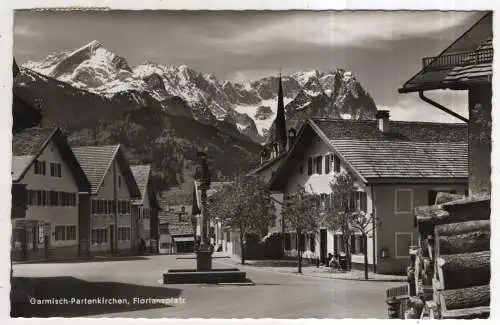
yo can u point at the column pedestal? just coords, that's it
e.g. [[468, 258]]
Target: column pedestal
[[204, 258]]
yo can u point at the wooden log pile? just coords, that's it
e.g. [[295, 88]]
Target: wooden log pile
[[451, 264]]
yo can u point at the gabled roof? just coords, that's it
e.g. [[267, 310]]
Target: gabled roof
[[466, 61], [28, 145], [214, 187], [97, 160], [267, 164], [141, 175], [411, 150]]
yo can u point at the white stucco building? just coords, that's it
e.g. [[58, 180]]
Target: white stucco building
[[48, 184], [113, 188]]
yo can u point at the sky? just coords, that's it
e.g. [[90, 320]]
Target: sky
[[383, 49]]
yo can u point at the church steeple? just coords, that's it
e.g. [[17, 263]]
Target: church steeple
[[280, 135]]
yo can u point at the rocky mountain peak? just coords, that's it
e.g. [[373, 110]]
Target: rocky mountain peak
[[95, 69]]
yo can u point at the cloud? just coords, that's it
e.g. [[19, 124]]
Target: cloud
[[246, 75], [362, 29], [410, 107], [22, 30]]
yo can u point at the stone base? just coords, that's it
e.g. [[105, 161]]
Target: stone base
[[204, 258], [213, 276]]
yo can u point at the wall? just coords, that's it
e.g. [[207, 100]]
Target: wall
[[320, 183], [106, 192], [480, 139], [56, 215], [390, 222], [84, 223]]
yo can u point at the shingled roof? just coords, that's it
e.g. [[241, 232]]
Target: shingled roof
[[97, 160], [466, 61], [398, 130], [408, 151], [28, 145], [403, 159], [175, 227]]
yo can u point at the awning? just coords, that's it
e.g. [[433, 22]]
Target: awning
[[183, 239]]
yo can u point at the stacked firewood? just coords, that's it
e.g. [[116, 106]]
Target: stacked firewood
[[451, 265]]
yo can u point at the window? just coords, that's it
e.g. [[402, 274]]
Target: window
[[353, 245], [327, 164], [145, 214], [403, 241], [228, 235], [301, 169], [336, 164], [312, 242], [119, 181], [60, 232], [288, 242], [39, 167], [302, 242], [45, 198], [99, 235], [359, 201], [403, 202], [309, 166], [52, 197], [32, 197], [71, 232], [339, 242], [124, 233], [319, 165], [55, 169]]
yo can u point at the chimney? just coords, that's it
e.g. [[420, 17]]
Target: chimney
[[291, 137], [382, 117]]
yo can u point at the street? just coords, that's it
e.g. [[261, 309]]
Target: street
[[274, 295]]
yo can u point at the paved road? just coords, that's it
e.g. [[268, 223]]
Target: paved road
[[275, 295]]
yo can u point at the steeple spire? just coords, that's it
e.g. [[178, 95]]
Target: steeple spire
[[280, 135]]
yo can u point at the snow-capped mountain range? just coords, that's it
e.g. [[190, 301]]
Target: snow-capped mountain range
[[95, 69]]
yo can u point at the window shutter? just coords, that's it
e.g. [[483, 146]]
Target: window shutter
[[352, 201], [319, 164], [353, 244], [327, 164], [309, 166], [312, 242], [363, 202], [336, 164]]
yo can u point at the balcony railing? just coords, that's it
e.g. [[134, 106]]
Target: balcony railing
[[458, 59]]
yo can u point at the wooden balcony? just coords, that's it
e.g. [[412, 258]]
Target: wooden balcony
[[451, 60]]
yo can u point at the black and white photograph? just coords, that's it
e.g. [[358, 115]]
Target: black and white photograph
[[285, 164]]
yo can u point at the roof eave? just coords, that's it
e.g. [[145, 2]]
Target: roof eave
[[460, 85], [415, 180]]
